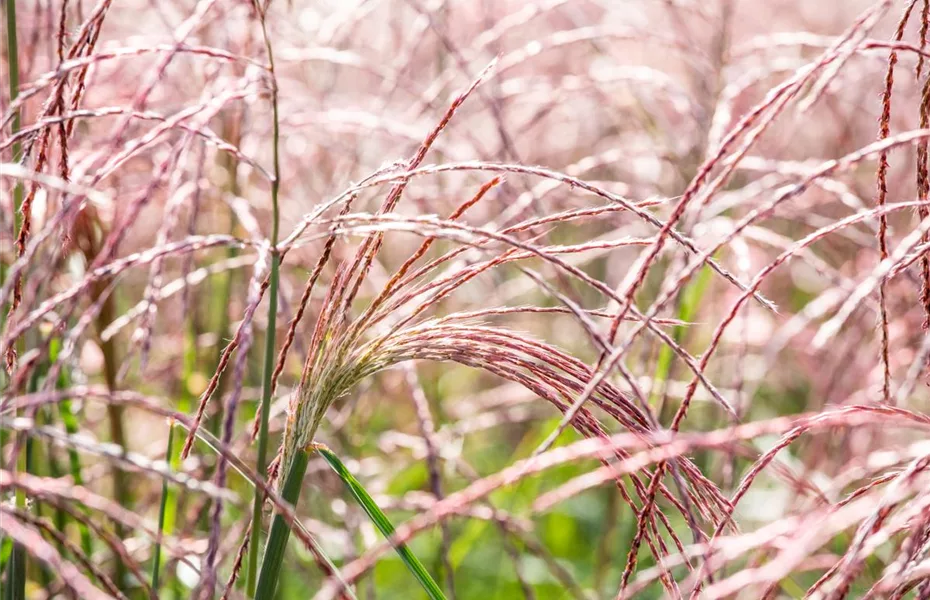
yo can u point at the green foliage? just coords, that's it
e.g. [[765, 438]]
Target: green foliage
[[383, 524]]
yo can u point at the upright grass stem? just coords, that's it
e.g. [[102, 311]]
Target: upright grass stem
[[268, 367], [280, 532], [16, 577], [115, 415], [76, 471], [70, 422], [222, 297], [690, 302], [12, 57], [263, 428]]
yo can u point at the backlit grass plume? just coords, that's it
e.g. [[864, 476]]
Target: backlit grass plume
[[340, 357]]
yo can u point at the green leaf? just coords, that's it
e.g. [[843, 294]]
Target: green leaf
[[381, 521], [156, 558]]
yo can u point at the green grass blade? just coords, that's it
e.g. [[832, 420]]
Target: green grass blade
[[156, 556], [383, 524]]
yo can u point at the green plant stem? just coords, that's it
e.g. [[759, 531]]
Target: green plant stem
[[172, 500], [6, 551], [162, 509], [16, 577], [268, 368], [13, 70], [17, 574], [222, 300], [280, 532], [16, 590], [691, 300], [263, 426], [115, 415], [66, 414], [185, 401], [12, 55]]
